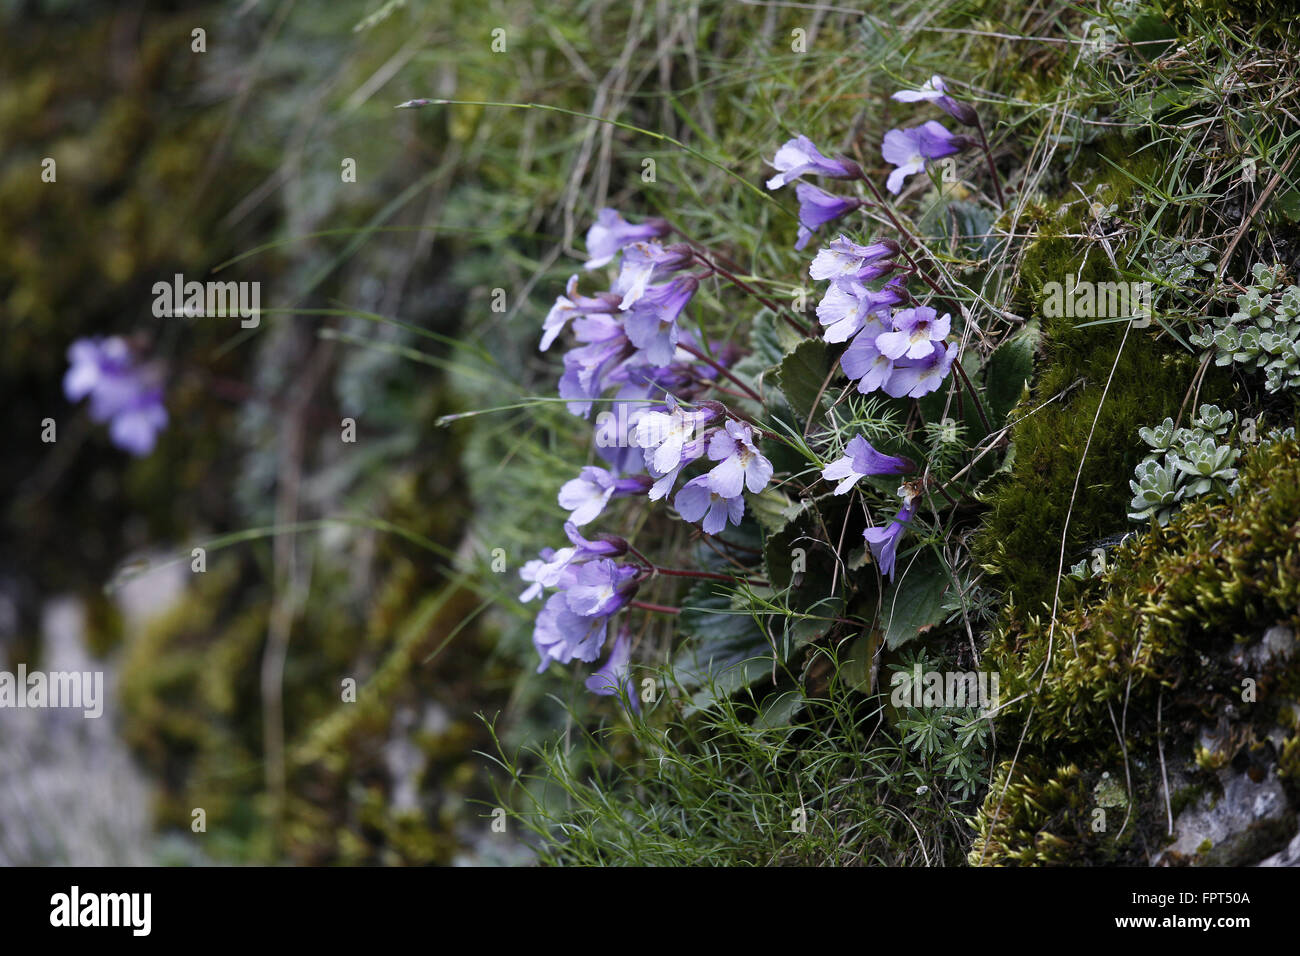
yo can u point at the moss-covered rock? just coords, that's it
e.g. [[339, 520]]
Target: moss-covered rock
[[1137, 663]]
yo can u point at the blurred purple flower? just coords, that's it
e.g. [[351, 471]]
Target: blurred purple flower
[[561, 635], [600, 588], [571, 305], [651, 323], [643, 261], [613, 677], [122, 393], [843, 258], [586, 496], [611, 232]]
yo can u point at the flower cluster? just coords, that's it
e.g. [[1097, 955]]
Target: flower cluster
[[590, 587], [895, 344], [123, 393], [632, 350], [632, 344]]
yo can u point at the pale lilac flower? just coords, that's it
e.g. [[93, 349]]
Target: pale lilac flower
[[599, 588], [865, 364], [884, 541], [816, 208], [586, 496], [561, 635], [555, 569], [935, 91], [914, 333], [664, 435], [849, 306], [611, 232], [697, 500], [917, 377], [571, 305], [127, 396], [651, 323], [587, 367], [910, 149], [798, 156], [614, 676], [843, 258], [643, 261], [860, 460], [544, 572], [741, 464], [605, 546]]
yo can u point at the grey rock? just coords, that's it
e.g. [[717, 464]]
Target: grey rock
[[1287, 857], [1248, 822]]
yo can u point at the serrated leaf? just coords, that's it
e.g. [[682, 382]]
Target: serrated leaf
[[1007, 372], [915, 603], [727, 649], [801, 377], [764, 339], [769, 509]]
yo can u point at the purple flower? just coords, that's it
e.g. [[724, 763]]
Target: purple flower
[[860, 460], [586, 496], [665, 435], [123, 394], [651, 323], [643, 261], [864, 363], [936, 92], [846, 259], [849, 306], [599, 588], [613, 677], [884, 541], [586, 368], [556, 569], [917, 377], [561, 635], [544, 572], [910, 149], [741, 465], [572, 304], [605, 546], [697, 500], [816, 208], [611, 232], [798, 156], [914, 333]]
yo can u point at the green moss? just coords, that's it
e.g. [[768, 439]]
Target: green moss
[[1153, 645]]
